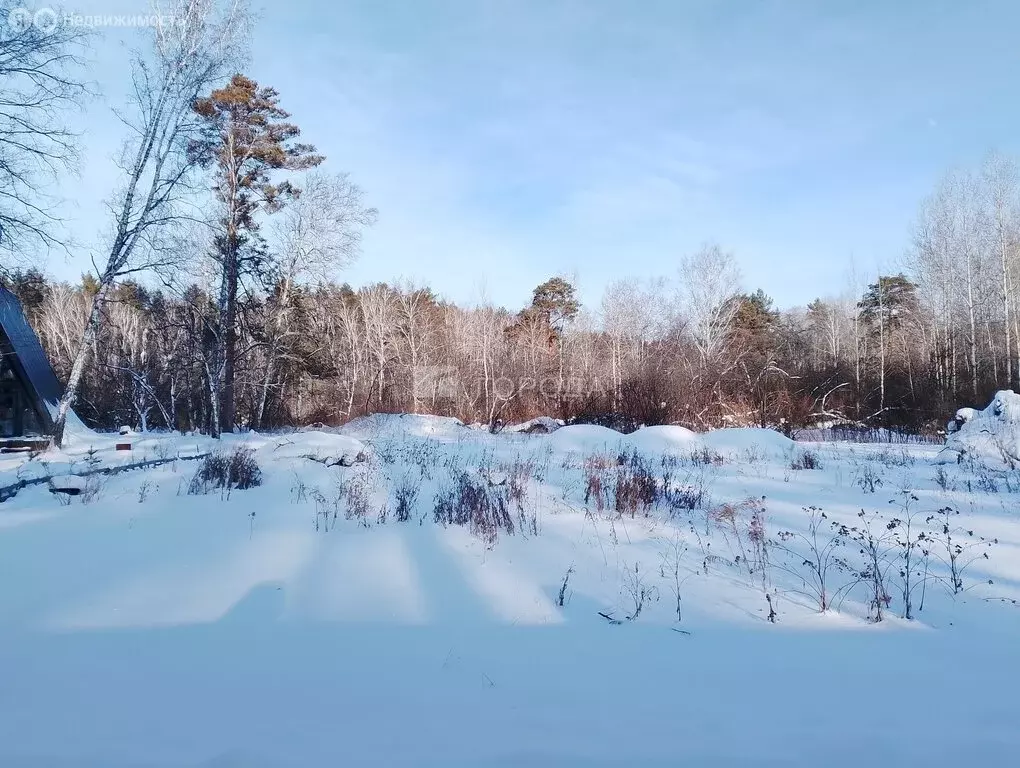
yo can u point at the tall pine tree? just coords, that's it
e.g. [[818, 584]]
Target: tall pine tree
[[245, 139]]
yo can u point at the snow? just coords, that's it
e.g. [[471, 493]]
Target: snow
[[538, 425], [991, 436], [315, 444], [380, 425], [963, 415], [153, 628], [585, 437], [661, 439], [75, 431], [67, 483], [741, 441]]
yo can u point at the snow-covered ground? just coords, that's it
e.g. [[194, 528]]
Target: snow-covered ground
[[305, 623]]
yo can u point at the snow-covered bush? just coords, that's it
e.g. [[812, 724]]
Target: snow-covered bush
[[357, 494], [226, 471], [867, 477], [707, 456], [406, 494], [631, 482], [684, 496], [636, 487], [888, 457], [327, 508], [473, 503], [807, 459], [596, 489]]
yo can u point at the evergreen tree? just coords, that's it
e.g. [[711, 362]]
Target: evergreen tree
[[555, 300], [245, 138]]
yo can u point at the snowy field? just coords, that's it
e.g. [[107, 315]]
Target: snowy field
[[409, 591]]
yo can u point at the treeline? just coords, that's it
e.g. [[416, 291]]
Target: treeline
[[692, 350]]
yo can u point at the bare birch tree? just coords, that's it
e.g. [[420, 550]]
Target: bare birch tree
[[623, 312], [1001, 186], [379, 311], [709, 280], [417, 342], [317, 235], [194, 44]]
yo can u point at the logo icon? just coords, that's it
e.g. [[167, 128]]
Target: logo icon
[[46, 20], [19, 19]]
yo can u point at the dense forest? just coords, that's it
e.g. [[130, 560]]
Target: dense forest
[[217, 300]]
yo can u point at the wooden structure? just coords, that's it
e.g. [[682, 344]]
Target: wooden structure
[[29, 390]]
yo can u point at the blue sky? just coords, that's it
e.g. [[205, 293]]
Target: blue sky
[[505, 141]]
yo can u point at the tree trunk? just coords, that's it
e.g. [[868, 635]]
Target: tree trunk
[[992, 352], [857, 362], [271, 349], [881, 343], [1016, 338], [972, 341], [1005, 308], [228, 334], [80, 357]]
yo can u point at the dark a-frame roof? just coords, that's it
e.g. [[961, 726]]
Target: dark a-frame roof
[[29, 360]]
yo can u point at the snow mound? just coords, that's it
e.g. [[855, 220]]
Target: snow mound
[[589, 438], [540, 425], [738, 441], [991, 435], [661, 439], [380, 425], [76, 434], [963, 415], [320, 445]]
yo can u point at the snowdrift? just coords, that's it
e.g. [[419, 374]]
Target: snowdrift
[[321, 446], [991, 435], [388, 425], [661, 439], [75, 431], [739, 441], [540, 425], [585, 437], [732, 443]]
